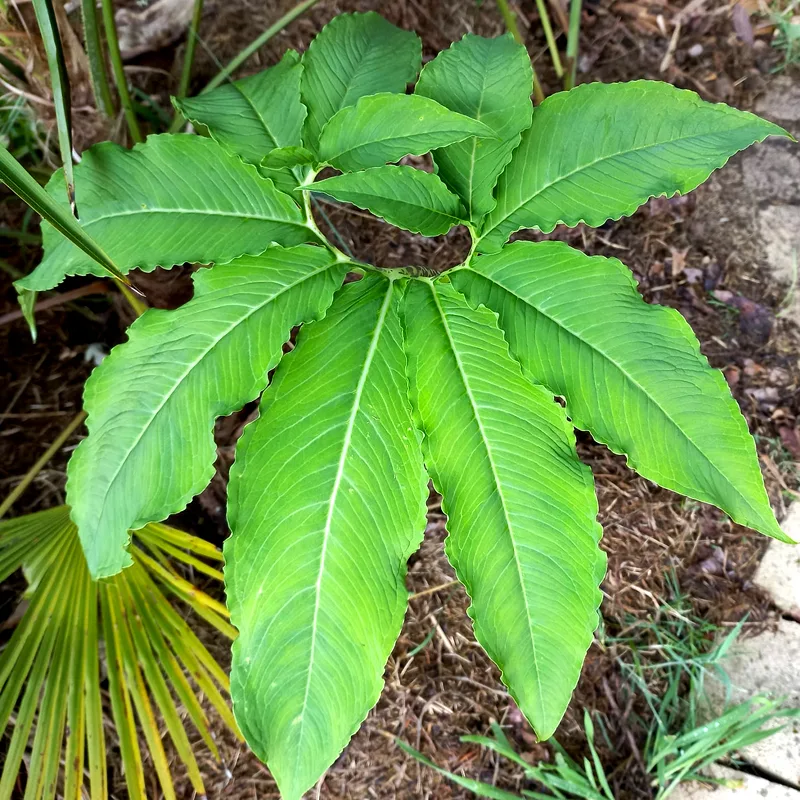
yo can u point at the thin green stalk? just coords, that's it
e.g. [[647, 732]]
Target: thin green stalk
[[510, 19], [38, 466], [119, 71], [59, 80], [191, 45], [288, 17], [97, 63], [573, 39], [548, 34]]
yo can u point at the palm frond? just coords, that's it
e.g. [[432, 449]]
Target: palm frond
[[54, 691]]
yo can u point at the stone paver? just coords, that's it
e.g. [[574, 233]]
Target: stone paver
[[779, 571], [739, 786], [767, 664]]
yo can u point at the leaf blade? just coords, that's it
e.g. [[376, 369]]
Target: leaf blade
[[489, 80], [593, 323], [314, 568], [165, 215], [523, 535], [405, 197], [353, 56], [254, 115], [385, 127], [189, 366], [667, 142]]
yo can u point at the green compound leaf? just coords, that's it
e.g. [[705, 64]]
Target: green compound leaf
[[353, 56], [632, 373], [175, 199], [386, 127], [599, 151], [520, 506], [327, 502], [255, 115], [489, 80], [153, 401], [406, 197]]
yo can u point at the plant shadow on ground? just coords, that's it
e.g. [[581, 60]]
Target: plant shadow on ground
[[439, 684]]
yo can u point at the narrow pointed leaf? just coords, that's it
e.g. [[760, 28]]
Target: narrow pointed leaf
[[174, 199], [252, 116], [520, 506], [51, 206], [577, 324], [385, 127], [353, 56], [27, 304], [599, 151], [406, 197], [316, 561], [59, 83], [489, 80], [153, 401]]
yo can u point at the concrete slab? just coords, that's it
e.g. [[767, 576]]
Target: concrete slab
[[767, 664], [739, 786], [779, 571]]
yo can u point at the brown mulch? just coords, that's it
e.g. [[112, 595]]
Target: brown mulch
[[447, 688]]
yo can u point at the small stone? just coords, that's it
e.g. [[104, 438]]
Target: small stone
[[695, 51]]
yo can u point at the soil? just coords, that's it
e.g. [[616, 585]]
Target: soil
[[705, 254]]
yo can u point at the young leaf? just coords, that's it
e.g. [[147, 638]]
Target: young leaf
[[153, 401], [174, 199], [632, 373], [489, 80], [599, 151], [315, 565], [291, 156], [386, 127], [521, 508], [353, 56], [406, 197], [255, 115]]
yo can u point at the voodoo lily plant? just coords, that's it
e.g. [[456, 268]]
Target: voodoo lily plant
[[398, 377]]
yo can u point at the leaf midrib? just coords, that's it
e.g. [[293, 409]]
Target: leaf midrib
[[398, 201], [205, 212], [627, 375], [194, 364], [340, 469], [590, 165], [509, 526]]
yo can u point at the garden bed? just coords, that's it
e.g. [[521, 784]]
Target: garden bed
[[662, 549]]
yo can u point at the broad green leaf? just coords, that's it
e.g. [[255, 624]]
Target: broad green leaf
[[153, 401], [632, 373], [489, 80], [353, 56], [252, 116], [326, 504], [406, 197], [521, 508], [291, 156], [386, 127], [600, 150], [174, 199]]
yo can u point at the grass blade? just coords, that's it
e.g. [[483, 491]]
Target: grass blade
[[95, 740], [259, 41], [119, 71], [59, 80], [97, 63], [573, 38], [16, 177]]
